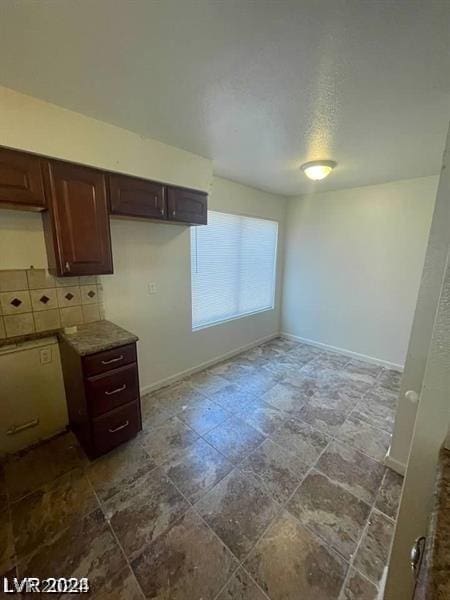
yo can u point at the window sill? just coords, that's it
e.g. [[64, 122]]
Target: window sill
[[236, 318]]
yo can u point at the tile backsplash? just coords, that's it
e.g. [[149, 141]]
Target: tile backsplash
[[33, 300]]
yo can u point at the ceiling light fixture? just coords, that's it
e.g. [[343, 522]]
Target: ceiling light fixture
[[318, 169]]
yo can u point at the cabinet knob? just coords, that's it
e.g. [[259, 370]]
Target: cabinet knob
[[161, 210], [174, 212], [67, 266]]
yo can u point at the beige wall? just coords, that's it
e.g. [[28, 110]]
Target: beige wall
[[142, 251], [30, 124], [21, 240], [353, 264], [146, 252]]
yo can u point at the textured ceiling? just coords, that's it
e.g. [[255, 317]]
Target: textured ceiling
[[257, 86]]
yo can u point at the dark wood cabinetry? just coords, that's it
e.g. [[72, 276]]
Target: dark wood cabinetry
[[76, 202], [102, 392], [187, 206], [21, 184], [130, 196], [77, 223], [133, 197]]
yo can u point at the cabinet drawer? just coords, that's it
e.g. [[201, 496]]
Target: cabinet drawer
[[112, 389], [108, 360], [116, 427]]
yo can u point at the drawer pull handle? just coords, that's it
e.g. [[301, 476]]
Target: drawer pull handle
[[113, 360], [119, 428], [116, 391]]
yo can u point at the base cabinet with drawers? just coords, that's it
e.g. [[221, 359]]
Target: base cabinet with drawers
[[102, 392]]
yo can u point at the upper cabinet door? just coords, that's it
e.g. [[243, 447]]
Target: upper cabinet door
[[187, 206], [77, 224], [21, 183], [133, 197]]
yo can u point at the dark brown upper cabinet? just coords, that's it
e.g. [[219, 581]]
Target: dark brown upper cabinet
[[134, 197], [77, 222], [21, 184], [76, 202], [187, 206]]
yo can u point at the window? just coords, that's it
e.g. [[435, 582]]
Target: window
[[233, 261]]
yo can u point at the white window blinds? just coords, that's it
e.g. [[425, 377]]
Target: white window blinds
[[233, 262]]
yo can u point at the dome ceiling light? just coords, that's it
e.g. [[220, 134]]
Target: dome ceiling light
[[318, 169]]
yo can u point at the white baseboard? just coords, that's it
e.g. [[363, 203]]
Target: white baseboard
[[394, 464], [371, 359], [204, 365], [382, 586]]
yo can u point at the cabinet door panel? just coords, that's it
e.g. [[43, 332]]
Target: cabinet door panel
[[133, 197], [21, 184], [187, 206], [79, 219]]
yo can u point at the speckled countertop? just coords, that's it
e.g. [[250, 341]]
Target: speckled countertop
[[19, 340], [88, 339], [434, 581], [96, 337]]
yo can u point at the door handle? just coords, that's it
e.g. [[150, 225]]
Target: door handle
[[412, 396], [416, 555], [116, 391]]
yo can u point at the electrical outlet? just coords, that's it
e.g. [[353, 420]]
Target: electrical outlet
[[46, 356], [152, 289]]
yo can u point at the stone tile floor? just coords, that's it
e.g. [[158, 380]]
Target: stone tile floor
[[259, 478]]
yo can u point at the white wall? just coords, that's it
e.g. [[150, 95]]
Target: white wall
[[424, 321], [429, 356], [353, 264], [148, 252]]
